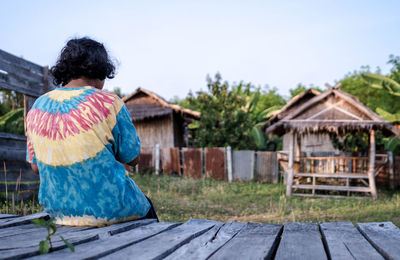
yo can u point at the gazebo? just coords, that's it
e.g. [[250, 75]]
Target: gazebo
[[334, 112]]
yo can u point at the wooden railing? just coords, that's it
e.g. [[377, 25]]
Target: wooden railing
[[340, 164]]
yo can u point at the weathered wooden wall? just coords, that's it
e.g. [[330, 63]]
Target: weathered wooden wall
[[152, 132], [32, 80], [311, 143]]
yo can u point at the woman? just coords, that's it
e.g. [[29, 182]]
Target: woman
[[79, 137]]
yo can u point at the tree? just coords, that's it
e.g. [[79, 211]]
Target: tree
[[300, 88], [232, 115]]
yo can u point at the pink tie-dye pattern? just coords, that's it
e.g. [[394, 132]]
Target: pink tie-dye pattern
[[51, 126]]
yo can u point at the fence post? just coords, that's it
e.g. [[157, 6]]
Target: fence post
[[157, 159], [391, 170], [229, 163]]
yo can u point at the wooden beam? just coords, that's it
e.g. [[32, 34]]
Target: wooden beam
[[289, 181], [371, 171], [335, 175], [327, 196], [331, 187]]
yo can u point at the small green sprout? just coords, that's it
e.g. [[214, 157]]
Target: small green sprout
[[45, 245]]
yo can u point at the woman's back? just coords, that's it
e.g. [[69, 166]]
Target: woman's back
[[78, 137]]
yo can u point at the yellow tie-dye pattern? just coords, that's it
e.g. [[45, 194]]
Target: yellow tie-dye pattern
[[60, 95], [83, 146], [87, 220]]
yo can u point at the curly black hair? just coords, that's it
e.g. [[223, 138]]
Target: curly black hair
[[82, 57]]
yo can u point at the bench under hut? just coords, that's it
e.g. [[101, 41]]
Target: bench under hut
[[332, 112]]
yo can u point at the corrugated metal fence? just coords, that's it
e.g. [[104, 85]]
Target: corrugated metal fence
[[216, 162]]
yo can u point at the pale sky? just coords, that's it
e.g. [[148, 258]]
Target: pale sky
[[169, 47]]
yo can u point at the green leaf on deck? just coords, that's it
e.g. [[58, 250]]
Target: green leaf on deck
[[44, 247], [69, 245]]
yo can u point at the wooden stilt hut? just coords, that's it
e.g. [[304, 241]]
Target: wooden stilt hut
[[156, 120], [337, 112]]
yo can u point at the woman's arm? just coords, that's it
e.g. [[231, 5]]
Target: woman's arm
[[35, 168], [131, 164]]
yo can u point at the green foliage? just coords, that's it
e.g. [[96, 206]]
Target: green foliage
[[10, 100], [118, 92], [300, 88], [46, 246], [356, 142], [13, 122], [393, 145], [232, 116]]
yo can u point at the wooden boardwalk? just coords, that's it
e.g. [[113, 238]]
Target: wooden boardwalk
[[202, 239]]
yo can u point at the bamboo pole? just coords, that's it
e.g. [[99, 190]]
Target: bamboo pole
[[371, 171]]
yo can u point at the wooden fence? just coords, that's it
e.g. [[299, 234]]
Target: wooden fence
[[32, 80], [216, 162]]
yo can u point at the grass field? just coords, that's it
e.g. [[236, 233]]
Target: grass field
[[178, 199]]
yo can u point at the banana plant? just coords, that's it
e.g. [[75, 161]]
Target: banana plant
[[382, 82]]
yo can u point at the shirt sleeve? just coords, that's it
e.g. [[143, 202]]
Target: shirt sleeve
[[30, 153], [126, 144]]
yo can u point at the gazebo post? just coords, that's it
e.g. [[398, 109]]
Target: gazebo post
[[289, 181], [371, 170]]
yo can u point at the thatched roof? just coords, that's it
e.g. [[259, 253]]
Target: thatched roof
[[331, 111], [144, 104], [294, 103]]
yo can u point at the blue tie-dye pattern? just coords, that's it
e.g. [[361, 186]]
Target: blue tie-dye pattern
[[97, 186], [54, 106]]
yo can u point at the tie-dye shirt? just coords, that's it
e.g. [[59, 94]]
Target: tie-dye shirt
[[78, 137]]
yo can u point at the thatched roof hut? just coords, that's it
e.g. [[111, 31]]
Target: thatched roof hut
[[156, 120], [333, 111]]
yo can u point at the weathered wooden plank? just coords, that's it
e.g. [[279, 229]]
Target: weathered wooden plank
[[22, 63], [13, 68], [22, 220], [26, 245], [301, 241], [255, 241], [326, 175], [328, 196], [205, 245], [104, 246], [29, 228], [384, 236], [331, 187], [344, 241], [160, 246], [14, 83], [243, 165], [3, 216]]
